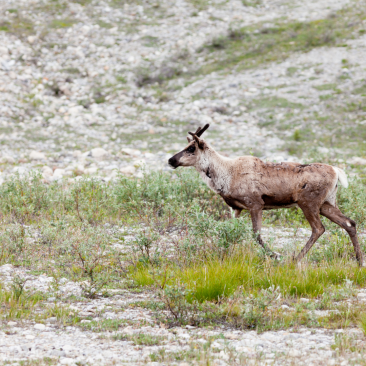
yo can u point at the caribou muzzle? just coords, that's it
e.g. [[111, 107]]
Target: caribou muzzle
[[174, 160]]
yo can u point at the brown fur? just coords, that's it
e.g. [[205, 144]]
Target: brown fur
[[251, 184]]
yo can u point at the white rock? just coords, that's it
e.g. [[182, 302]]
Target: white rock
[[58, 173], [85, 321], [355, 160], [98, 153], [285, 307], [7, 159], [304, 300], [131, 152], [31, 39], [12, 324], [90, 170], [128, 170], [294, 353], [39, 326], [6, 268], [37, 155], [66, 361], [47, 172]]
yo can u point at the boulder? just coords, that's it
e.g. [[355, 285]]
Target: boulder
[[355, 160], [37, 155], [98, 153], [128, 170]]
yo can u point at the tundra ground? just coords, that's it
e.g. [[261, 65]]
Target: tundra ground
[[107, 256]]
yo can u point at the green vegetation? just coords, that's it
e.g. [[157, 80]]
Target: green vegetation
[[216, 279], [65, 23], [213, 271], [247, 47], [140, 339]]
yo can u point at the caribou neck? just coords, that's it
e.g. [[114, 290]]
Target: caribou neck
[[215, 171]]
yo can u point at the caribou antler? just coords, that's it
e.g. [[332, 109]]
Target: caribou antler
[[199, 132]]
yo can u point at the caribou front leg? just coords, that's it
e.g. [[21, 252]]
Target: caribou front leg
[[256, 216]]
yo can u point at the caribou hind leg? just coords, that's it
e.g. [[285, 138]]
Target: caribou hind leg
[[333, 213], [317, 228]]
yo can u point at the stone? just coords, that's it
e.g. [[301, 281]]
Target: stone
[[6, 159], [98, 153], [31, 39], [304, 300], [37, 155], [12, 324], [285, 307], [131, 152], [47, 172], [294, 353], [52, 319], [39, 327], [85, 321], [128, 170], [6, 268], [355, 160], [232, 335], [58, 174], [91, 171], [58, 353]]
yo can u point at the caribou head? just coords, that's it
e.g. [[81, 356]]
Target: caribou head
[[192, 153]]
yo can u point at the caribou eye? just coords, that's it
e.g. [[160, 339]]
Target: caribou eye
[[191, 149]]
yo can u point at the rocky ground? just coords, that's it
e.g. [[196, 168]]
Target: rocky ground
[[99, 88], [82, 90], [136, 338]]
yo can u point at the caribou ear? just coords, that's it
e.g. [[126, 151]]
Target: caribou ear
[[189, 140], [200, 143]]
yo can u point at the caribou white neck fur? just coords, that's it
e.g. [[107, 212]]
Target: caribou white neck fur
[[215, 170]]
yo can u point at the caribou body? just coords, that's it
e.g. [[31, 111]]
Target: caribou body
[[251, 184]]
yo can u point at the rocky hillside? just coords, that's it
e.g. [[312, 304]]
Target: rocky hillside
[[91, 87]]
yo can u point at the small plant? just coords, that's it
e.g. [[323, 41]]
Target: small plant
[[17, 285], [362, 322], [140, 339]]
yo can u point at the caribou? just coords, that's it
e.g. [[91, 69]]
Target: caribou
[[248, 183]]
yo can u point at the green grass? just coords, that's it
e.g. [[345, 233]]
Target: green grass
[[214, 280], [247, 47], [62, 23], [325, 87], [140, 339], [275, 102], [362, 322]]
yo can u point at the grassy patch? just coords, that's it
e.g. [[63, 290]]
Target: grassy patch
[[275, 102], [218, 279], [247, 47], [325, 87], [62, 23], [140, 339], [103, 325]]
